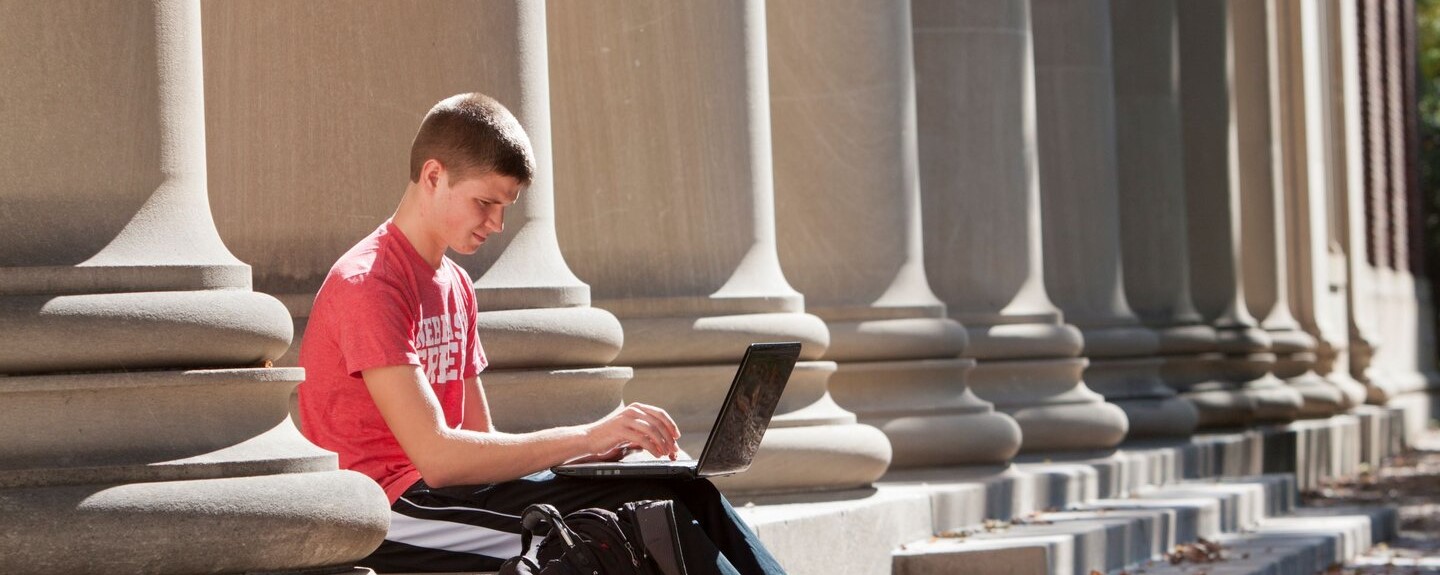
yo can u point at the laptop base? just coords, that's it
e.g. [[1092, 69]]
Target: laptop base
[[684, 469]]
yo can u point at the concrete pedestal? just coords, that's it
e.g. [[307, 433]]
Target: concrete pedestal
[[844, 138], [1212, 38], [1150, 189], [976, 107], [141, 428], [663, 133], [1074, 82], [1264, 124]]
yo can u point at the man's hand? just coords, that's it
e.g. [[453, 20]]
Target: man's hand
[[620, 452], [636, 425]]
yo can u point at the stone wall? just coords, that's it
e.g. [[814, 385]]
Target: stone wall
[[1000, 229]]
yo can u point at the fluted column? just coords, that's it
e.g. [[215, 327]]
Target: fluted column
[[1389, 383], [1407, 368], [1074, 85], [1412, 367], [139, 431], [976, 109], [1305, 103], [1385, 371], [1151, 187], [663, 129], [1263, 119], [1425, 358], [1214, 42], [1351, 66], [847, 201], [346, 103]]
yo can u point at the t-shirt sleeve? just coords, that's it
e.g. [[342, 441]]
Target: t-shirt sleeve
[[474, 351], [375, 323]]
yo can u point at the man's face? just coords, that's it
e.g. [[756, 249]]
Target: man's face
[[471, 209]]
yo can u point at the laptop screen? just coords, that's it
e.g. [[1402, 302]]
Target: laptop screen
[[748, 407]]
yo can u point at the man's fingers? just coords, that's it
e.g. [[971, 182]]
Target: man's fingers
[[660, 415], [640, 432], [656, 427]]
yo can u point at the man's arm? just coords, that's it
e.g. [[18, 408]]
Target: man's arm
[[446, 456], [477, 409]]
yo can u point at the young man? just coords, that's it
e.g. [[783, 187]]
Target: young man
[[392, 359]]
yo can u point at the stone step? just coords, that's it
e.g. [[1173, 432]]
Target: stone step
[[1193, 518], [1308, 542], [1107, 535], [843, 533], [1136, 541], [1243, 502], [1069, 542], [1203, 487], [1101, 511]]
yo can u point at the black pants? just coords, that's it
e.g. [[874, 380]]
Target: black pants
[[476, 527]]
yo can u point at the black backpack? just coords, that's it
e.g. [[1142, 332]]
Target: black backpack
[[639, 540]]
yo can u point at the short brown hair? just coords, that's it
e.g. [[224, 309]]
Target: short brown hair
[[471, 133]]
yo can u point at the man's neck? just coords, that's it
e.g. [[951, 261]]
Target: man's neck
[[409, 217]]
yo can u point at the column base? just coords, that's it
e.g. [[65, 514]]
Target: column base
[[1227, 405], [1295, 353], [1233, 390], [1134, 384], [812, 444], [524, 400], [1054, 408], [98, 332], [1385, 383], [172, 472], [1321, 398], [1004, 341], [280, 523], [812, 458], [1120, 341], [545, 337], [890, 339], [1185, 338], [716, 339], [927, 411], [1353, 391]]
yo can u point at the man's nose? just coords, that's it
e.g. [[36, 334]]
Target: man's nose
[[496, 221]]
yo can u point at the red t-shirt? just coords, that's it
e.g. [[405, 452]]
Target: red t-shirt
[[383, 305]]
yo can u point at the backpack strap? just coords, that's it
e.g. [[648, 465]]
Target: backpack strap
[[540, 519], [537, 519], [655, 534]]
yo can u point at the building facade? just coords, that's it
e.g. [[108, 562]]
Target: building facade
[[1004, 231]]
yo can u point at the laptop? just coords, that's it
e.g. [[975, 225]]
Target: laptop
[[738, 428]]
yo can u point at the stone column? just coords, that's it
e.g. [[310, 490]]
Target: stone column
[[1263, 119], [1151, 187], [1353, 204], [1425, 360], [1316, 172], [143, 430], [1399, 118], [347, 110], [663, 130], [1213, 41], [1411, 369], [976, 108], [1075, 104], [1386, 380], [1377, 431], [1388, 239], [848, 206]]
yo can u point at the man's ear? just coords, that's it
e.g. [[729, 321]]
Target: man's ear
[[432, 173]]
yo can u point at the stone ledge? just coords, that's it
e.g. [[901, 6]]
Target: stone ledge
[[1065, 524]]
